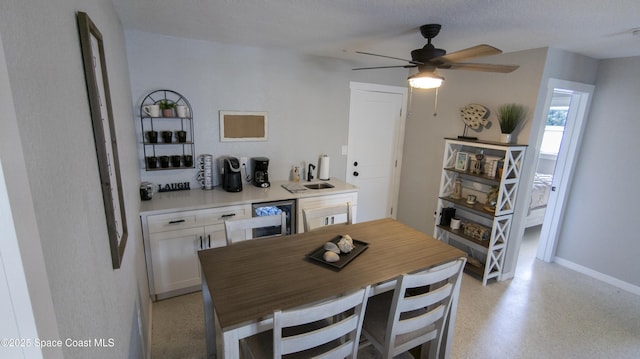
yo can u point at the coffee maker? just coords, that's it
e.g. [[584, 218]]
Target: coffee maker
[[232, 176], [260, 175]]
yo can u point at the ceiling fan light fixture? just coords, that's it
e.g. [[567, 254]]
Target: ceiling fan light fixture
[[425, 80]]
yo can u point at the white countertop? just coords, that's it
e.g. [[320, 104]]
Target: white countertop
[[167, 202]]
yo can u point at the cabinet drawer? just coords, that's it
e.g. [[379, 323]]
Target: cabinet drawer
[[219, 215], [198, 218], [171, 221]]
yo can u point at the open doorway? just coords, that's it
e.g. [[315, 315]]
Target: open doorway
[[558, 141], [554, 127]]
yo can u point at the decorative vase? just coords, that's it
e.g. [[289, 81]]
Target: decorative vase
[[505, 137]]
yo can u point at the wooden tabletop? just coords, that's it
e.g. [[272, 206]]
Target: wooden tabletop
[[250, 279]]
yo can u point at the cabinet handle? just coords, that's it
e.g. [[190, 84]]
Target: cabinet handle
[[228, 215], [200, 242], [177, 221], [208, 235]]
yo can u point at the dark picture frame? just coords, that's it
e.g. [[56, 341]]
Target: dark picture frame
[[95, 70]]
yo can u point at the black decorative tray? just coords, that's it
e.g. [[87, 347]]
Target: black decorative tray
[[318, 254]]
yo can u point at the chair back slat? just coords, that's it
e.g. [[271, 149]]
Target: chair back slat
[[315, 216], [417, 310], [234, 227], [331, 328]]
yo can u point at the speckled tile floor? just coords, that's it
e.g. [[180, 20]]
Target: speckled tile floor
[[546, 311]]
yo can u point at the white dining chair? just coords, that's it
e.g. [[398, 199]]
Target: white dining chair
[[414, 313], [330, 329], [236, 229], [325, 216]]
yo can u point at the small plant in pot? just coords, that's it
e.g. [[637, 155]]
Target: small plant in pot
[[510, 117], [167, 107]]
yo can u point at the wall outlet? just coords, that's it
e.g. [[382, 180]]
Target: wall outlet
[[243, 162]]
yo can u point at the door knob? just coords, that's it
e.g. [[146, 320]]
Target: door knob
[[355, 163], [355, 173]]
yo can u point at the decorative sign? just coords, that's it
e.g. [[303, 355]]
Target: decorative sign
[[172, 187]]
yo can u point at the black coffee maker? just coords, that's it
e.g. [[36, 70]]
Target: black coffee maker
[[232, 176], [260, 175]]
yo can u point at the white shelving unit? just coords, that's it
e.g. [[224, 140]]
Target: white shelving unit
[[486, 253]]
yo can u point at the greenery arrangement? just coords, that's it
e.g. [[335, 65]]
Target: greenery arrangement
[[510, 116], [166, 104]]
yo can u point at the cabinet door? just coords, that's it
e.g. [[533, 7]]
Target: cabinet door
[[327, 201], [214, 236], [175, 259]]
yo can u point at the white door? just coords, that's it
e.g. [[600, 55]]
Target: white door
[[576, 117], [376, 135]]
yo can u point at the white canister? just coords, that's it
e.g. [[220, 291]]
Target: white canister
[[455, 223]]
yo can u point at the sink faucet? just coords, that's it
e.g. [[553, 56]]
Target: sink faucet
[[309, 175]]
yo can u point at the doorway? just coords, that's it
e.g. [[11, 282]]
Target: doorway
[[558, 141], [376, 137]]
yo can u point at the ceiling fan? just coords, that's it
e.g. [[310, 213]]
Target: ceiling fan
[[429, 58]]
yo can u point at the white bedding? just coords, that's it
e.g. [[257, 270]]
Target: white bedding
[[540, 190]]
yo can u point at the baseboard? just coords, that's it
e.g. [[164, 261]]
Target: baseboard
[[599, 276]]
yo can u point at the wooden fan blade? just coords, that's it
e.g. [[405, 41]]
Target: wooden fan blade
[[469, 53], [385, 67], [479, 67], [390, 57]]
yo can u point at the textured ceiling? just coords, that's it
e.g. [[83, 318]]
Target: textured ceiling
[[337, 28]]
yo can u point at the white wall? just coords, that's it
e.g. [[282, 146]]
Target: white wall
[[90, 299], [307, 98], [23, 269], [599, 231]]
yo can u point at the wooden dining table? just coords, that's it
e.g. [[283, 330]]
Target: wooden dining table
[[243, 283]]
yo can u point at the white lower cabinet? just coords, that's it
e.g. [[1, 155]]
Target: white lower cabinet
[[175, 259], [326, 201], [172, 242]]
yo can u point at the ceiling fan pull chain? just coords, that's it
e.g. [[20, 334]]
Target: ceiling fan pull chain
[[435, 105]]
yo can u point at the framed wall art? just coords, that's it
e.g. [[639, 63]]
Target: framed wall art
[[95, 70], [243, 126], [462, 161]]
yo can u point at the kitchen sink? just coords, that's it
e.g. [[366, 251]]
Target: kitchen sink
[[320, 185]]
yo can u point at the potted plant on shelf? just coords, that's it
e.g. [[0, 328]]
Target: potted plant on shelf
[[510, 117], [167, 107]]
